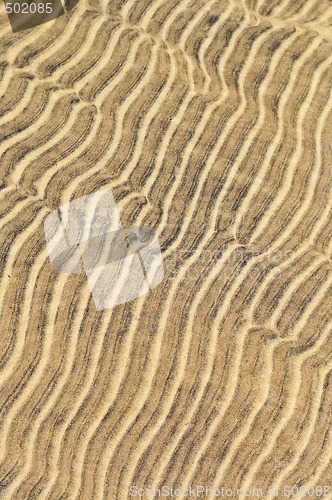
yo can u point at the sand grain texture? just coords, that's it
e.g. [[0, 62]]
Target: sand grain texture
[[211, 122]]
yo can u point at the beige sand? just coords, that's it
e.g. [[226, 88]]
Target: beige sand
[[211, 122]]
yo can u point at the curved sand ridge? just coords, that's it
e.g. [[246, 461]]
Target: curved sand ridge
[[210, 121]]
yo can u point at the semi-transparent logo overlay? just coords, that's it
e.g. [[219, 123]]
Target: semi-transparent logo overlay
[[121, 264], [26, 14]]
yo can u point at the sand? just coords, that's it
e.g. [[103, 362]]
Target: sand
[[210, 120]]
